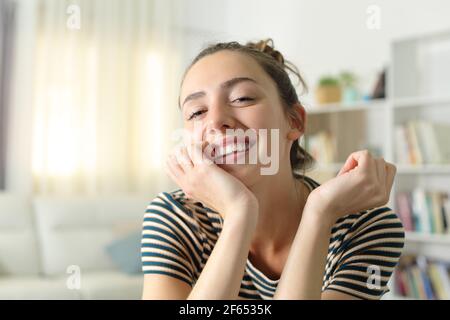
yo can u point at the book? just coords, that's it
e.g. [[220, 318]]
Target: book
[[429, 144], [420, 211], [429, 212], [424, 211], [404, 210], [436, 279], [446, 212], [443, 271], [401, 145], [420, 142], [413, 139], [429, 290], [441, 133], [422, 278], [436, 212]]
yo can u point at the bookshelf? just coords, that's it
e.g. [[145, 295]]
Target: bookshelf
[[418, 237], [348, 107], [420, 101], [418, 90], [423, 169]]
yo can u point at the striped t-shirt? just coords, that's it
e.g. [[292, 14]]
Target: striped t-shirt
[[179, 235]]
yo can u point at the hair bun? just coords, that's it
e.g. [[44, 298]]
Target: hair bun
[[267, 46]]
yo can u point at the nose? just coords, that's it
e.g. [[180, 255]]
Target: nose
[[218, 119]]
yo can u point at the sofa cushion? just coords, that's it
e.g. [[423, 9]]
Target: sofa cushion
[[36, 288], [19, 253], [111, 285], [75, 230], [125, 252]]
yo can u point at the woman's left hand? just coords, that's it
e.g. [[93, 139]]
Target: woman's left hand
[[363, 183]]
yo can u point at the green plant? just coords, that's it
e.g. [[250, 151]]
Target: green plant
[[347, 78], [328, 81]]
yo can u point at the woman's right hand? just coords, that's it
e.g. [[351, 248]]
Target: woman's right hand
[[201, 179]]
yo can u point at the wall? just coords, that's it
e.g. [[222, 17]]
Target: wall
[[320, 36]]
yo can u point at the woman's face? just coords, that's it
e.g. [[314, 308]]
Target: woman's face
[[229, 90]]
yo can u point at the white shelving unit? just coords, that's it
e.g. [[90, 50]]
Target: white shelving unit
[[418, 88]]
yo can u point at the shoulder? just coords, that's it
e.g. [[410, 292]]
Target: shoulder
[[371, 225], [179, 210]]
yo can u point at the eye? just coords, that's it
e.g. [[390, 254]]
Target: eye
[[242, 99], [195, 114]]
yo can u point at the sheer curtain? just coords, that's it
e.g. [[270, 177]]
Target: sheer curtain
[[7, 10], [105, 84]]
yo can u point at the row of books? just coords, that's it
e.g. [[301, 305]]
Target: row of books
[[424, 211], [421, 142], [419, 278]]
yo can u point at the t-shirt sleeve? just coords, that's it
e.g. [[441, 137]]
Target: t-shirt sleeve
[[370, 255], [166, 247]]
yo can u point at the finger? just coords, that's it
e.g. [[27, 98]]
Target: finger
[[381, 171], [366, 165], [184, 159], [171, 174], [168, 170], [361, 159], [177, 170], [390, 175], [364, 159], [197, 153], [349, 164]]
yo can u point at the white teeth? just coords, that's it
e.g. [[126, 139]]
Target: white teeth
[[229, 148], [241, 147], [221, 151]]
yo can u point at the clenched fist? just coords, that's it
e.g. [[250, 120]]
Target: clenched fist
[[363, 183]]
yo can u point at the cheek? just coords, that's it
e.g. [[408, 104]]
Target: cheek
[[188, 135], [194, 130], [260, 118]]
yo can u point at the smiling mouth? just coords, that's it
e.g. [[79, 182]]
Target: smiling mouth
[[222, 152]]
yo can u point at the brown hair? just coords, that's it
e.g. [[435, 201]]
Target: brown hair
[[274, 64]]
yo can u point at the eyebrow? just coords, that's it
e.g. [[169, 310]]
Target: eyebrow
[[226, 85]]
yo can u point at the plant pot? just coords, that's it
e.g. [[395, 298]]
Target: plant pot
[[350, 95], [328, 94]]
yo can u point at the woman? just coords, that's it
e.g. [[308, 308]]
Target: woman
[[231, 232]]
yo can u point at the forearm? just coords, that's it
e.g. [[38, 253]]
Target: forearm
[[302, 275], [222, 275]]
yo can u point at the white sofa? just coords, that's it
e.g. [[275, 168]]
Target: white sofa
[[41, 239]]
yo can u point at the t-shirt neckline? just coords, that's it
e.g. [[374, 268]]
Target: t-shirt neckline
[[252, 269]]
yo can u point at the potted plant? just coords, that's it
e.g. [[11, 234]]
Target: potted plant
[[328, 90], [348, 81]]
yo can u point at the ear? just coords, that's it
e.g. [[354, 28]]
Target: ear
[[297, 118]]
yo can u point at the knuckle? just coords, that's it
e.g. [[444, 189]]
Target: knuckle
[[365, 153], [392, 167], [386, 196]]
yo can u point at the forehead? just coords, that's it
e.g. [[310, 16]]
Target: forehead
[[212, 70]]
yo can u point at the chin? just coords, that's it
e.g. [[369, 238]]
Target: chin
[[244, 172]]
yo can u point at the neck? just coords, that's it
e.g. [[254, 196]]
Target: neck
[[281, 201]]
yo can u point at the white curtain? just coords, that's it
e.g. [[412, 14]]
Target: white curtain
[[106, 78], [7, 18]]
